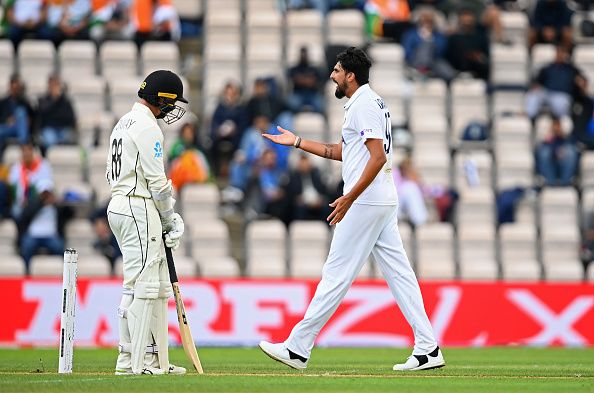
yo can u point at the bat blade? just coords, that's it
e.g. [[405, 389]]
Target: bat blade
[[184, 330], [184, 327]]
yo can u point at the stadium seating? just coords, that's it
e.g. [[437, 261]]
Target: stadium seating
[[308, 244], [515, 27], [469, 104], [78, 60], [159, 56], [518, 250], [266, 248], [200, 201], [6, 61], [92, 265], [476, 245], [242, 40], [346, 27], [435, 251], [36, 62], [118, 59], [12, 266], [310, 126], [46, 266], [509, 65]]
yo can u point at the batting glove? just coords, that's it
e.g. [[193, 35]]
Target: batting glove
[[173, 227]]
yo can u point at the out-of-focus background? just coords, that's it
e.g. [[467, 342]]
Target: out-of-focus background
[[492, 131]]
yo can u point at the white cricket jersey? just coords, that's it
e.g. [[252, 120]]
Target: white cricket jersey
[[367, 117], [135, 160]]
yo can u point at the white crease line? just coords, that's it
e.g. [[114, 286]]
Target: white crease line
[[54, 380]]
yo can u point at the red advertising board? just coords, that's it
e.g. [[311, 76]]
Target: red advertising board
[[243, 312]]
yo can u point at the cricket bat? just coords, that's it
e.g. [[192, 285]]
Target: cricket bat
[[184, 327]]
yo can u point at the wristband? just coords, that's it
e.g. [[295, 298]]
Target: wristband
[[297, 142]]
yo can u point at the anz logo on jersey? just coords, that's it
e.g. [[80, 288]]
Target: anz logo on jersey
[[158, 150]]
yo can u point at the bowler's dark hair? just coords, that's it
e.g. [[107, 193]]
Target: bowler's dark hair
[[356, 61]]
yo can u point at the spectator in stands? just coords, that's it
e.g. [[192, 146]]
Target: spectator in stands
[[557, 156], [307, 192], [425, 48], [551, 23], [265, 103], [105, 243], [229, 121], [306, 80], [42, 223], [413, 195], [387, 18], [187, 140], [69, 20], [320, 5], [346, 4], [4, 191], [55, 115], [187, 163], [582, 115], [489, 15], [553, 87], [251, 150], [411, 203], [155, 20], [24, 177], [15, 113], [272, 180], [110, 20], [26, 17], [468, 47], [587, 246]]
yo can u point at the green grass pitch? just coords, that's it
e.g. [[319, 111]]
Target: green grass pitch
[[499, 369]]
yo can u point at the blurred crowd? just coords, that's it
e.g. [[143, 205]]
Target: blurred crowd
[[445, 39], [98, 20]]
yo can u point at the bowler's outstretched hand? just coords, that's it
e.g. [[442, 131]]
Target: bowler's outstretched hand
[[286, 137]]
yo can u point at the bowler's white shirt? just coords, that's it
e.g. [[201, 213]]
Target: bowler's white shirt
[[135, 160], [367, 117]]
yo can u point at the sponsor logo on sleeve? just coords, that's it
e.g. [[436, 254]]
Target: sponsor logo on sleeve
[[158, 150]]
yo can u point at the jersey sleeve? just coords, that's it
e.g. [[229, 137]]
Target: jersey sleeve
[[368, 122], [150, 151]]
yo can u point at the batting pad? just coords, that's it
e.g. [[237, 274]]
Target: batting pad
[[146, 290], [124, 361], [159, 323]]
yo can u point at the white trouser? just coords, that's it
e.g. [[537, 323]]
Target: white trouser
[[535, 99], [363, 230], [136, 225]]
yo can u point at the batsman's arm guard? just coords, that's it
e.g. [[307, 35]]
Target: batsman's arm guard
[[164, 201]]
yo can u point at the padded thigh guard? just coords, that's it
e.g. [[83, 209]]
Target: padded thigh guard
[[140, 312], [159, 322]]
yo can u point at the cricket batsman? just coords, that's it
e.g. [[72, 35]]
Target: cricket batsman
[[140, 211]]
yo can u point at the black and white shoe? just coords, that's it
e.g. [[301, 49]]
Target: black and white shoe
[[176, 370], [433, 359], [281, 354]]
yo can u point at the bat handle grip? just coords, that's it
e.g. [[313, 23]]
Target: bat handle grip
[[170, 264]]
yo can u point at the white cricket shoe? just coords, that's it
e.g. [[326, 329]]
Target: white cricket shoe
[[433, 359], [147, 370], [176, 370], [281, 354]]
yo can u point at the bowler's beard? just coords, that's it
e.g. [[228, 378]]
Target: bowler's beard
[[340, 91]]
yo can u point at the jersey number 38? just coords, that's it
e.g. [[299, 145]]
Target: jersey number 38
[[116, 158]]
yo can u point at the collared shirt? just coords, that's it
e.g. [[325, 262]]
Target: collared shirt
[[367, 117], [135, 160]]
